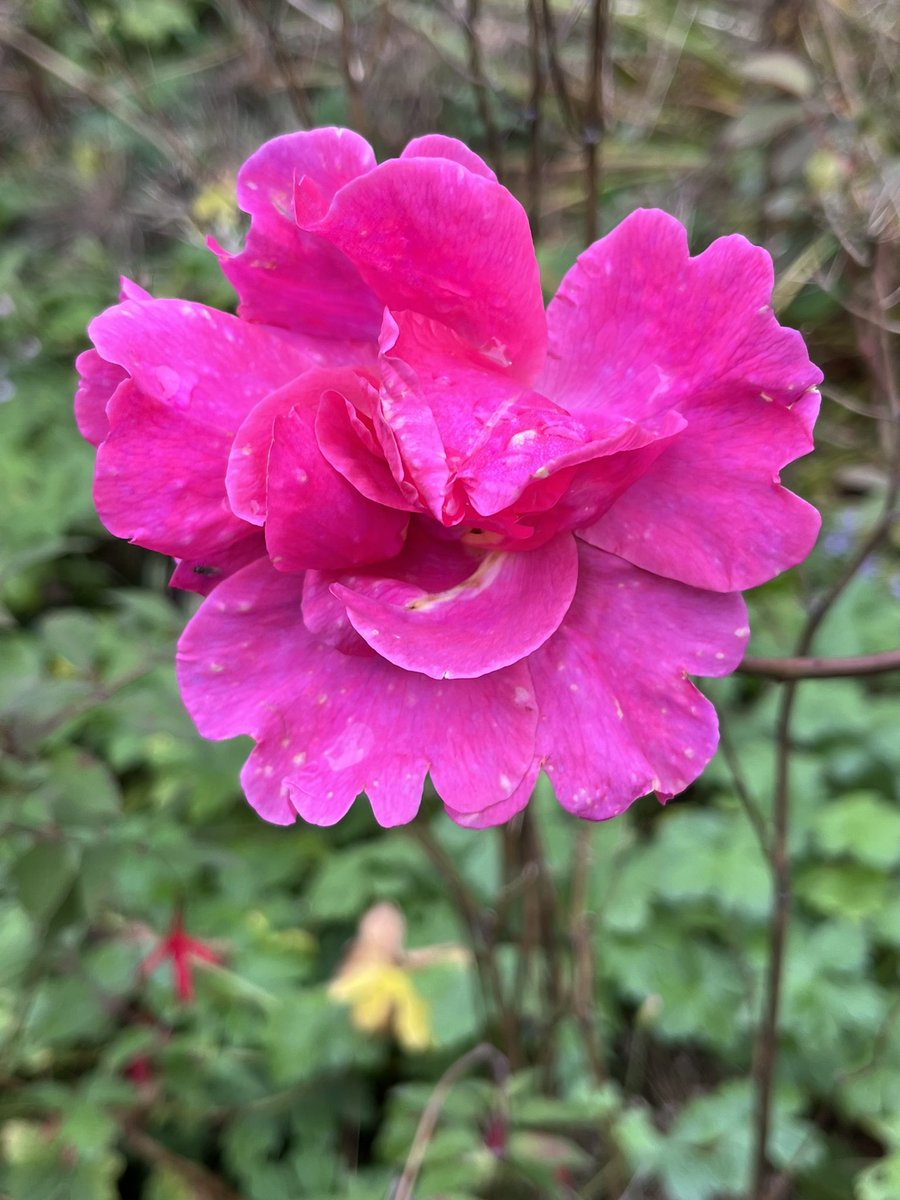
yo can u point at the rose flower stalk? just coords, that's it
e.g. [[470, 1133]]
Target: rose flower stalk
[[440, 529]]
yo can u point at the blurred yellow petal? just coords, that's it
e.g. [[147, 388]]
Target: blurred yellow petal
[[382, 999]]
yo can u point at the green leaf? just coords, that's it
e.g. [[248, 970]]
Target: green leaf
[[861, 826], [43, 876], [881, 1181], [851, 891]]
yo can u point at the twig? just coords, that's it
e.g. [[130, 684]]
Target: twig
[[766, 1049], [594, 114], [743, 793], [482, 950], [480, 86], [547, 923], [822, 668], [582, 953], [266, 20], [358, 118], [77, 79], [202, 1182], [429, 1119], [534, 117], [557, 71]]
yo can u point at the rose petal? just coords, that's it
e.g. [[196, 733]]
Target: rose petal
[[315, 518], [97, 380], [499, 814], [197, 359], [287, 277], [248, 462], [347, 443], [711, 511], [618, 716], [195, 373], [159, 480], [331, 725], [202, 575], [428, 235], [620, 341], [507, 607], [437, 145]]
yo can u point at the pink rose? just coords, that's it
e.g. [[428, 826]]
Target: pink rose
[[442, 529]]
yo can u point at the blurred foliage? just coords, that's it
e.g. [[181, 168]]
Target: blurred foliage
[[122, 126]]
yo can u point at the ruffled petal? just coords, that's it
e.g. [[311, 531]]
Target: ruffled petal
[[348, 442], [710, 511], [194, 374], [314, 517], [196, 359], [532, 441], [201, 575], [429, 235], [248, 462], [437, 145], [507, 607], [638, 325], [499, 814], [330, 725], [287, 277], [618, 715], [97, 380], [638, 328]]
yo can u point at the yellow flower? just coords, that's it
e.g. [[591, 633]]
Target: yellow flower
[[382, 999], [375, 980]]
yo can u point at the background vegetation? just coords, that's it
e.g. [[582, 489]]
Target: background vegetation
[[603, 997]]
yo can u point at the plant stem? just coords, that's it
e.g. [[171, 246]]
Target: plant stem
[[594, 115], [429, 1119], [766, 1050], [822, 668]]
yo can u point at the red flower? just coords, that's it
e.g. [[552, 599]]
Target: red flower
[[180, 948], [495, 1135]]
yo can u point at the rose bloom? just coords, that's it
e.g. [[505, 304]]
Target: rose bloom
[[440, 529]]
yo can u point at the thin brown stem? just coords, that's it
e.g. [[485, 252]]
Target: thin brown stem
[[77, 79], [557, 71], [535, 118], [202, 1182], [469, 909], [265, 21], [480, 87], [881, 369], [429, 1119], [822, 668], [583, 954], [745, 797], [547, 924], [350, 71], [594, 115]]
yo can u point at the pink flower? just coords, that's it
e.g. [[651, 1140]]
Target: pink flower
[[442, 530]]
